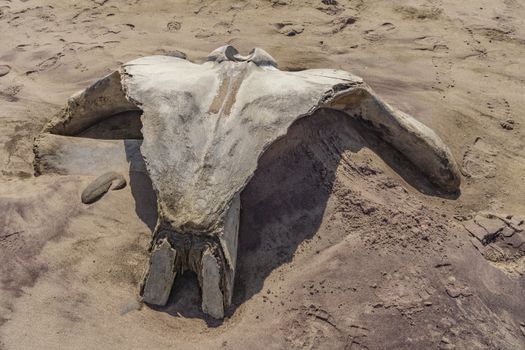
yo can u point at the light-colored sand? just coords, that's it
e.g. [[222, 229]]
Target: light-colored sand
[[338, 248]]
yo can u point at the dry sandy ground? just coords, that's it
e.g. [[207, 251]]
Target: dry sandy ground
[[342, 244]]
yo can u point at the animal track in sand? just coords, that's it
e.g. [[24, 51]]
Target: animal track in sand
[[497, 34], [419, 13], [443, 74], [36, 16], [173, 26]]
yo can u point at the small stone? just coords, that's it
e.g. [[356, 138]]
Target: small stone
[[427, 303], [517, 221], [445, 340], [297, 29], [368, 209], [507, 232], [516, 241], [4, 70], [452, 292], [96, 189]]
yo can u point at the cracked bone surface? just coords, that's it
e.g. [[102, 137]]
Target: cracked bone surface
[[204, 127]]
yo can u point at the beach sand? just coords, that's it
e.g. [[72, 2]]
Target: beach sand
[[341, 247]]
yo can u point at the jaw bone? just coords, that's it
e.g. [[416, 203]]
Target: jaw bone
[[204, 128]]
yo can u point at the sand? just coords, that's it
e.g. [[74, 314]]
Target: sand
[[343, 245]]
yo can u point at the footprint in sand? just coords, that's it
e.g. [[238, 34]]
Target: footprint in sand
[[478, 160], [340, 23], [314, 328], [289, 28], [430, 43], [499, 238], [378, 33], [38, 16], [4, 69], [499, 109]]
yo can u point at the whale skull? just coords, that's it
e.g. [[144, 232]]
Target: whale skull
[[204, 127]]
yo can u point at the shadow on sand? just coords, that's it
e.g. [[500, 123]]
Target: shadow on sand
[[284, 202]]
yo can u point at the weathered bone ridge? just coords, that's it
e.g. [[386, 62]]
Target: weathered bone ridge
[[204, 127]]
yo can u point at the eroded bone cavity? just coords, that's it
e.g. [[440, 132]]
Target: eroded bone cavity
[[65, 155], [204, 127]]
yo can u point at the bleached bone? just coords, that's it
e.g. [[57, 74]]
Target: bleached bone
[[103, 99], [204, 128]]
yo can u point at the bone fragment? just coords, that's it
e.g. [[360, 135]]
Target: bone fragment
[[212, 297], [162, 272], [229, 239]]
